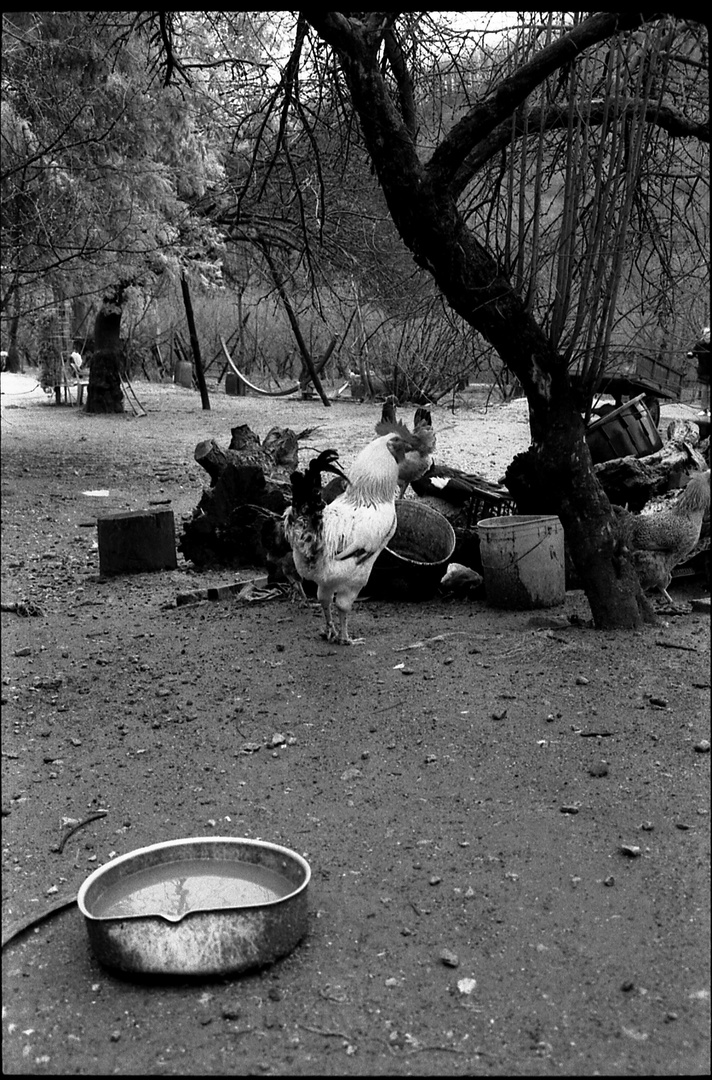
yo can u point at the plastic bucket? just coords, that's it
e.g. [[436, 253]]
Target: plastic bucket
[[523, 561], [628, 431]]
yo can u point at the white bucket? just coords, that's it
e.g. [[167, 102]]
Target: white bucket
[[523, 561]]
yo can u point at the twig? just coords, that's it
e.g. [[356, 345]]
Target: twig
[[75, 828], [327, 1034], [429, 641], [24, 924], [674, 645]]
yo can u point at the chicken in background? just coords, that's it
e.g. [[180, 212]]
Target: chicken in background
[[336, 545], [422, 441], [660, 540]]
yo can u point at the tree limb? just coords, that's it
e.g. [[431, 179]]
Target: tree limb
[[509, 94], [553, 117]]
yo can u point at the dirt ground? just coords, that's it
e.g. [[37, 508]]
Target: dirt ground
[[508, 827]]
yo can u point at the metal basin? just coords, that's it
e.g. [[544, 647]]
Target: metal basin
[[197, 906]]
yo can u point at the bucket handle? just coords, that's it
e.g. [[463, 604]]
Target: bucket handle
[[525, 553]]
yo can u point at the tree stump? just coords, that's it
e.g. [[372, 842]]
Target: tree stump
[[249, 485], [136, 541]]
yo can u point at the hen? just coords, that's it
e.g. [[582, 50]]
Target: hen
[[421, 441], [336, 545], [659, 541]]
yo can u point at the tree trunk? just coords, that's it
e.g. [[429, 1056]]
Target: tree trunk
[[195, 344], [104, 393]]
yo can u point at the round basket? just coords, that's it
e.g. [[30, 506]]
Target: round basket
[[413, 564]]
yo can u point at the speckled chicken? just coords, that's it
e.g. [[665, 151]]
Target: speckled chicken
[[421, 441], [660, 540]]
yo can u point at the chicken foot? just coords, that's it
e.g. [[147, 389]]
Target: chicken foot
[[340, 636]]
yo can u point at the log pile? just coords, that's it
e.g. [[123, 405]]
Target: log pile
[[249, 483], [633, 482]]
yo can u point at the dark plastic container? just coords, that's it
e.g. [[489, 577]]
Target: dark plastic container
[[628, 431]]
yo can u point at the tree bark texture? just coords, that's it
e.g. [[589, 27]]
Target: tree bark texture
[[104, 393]]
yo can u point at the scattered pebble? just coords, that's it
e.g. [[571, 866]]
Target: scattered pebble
[[659, 702], [599, 769], [231, 1012], [466, 986], [703, 746], [569, 809], [435, 880], [500, 714], [581, 680], [23, 652], [449, 958], [351, 774], [609, 881], [115, 1036], [647, 826], [631, 850]]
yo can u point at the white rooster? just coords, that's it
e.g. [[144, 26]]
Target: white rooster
[[337, 545]]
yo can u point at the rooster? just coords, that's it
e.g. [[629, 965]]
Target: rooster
[[421, 440], [337, 545], [659, 541]]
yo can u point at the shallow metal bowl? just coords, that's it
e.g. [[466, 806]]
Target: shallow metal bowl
[[209, 940]]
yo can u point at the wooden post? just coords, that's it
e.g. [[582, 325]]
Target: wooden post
[[199, 373]]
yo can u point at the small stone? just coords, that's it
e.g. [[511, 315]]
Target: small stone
[[682, 826], [627, 986], [647, 826], [581, 680], [569, 809], [631, 850], [449, 958], [659, 702], [23, 652], [599, 769], [500, 714], [231, 1012], [351, 774], [703, 746], [115, 1036], [435, 880], [609, 881], [466, 986]]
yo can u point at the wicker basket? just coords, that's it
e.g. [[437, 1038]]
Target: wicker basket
[[413, 564]]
